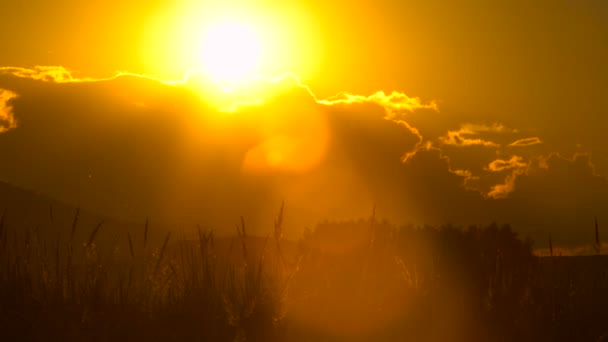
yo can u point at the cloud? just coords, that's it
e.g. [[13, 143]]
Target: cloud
[[467, 135], [503, 190], [516, 162], [518, 167], [133, 147], [394, 103], [558, 196], [263, 90], [478, 128], [7, 118], [466, 174], [42, 73], [526, 142], [457, 138]]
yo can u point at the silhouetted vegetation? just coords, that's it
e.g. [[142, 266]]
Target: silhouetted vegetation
[[363, 280]]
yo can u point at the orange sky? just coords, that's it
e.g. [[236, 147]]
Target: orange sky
[[509, 102]]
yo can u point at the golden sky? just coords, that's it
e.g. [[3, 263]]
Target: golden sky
[[435, 111]]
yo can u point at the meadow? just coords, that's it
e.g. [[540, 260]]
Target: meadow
[[360, 280]]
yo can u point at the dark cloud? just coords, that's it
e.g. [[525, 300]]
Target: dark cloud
[[133, 147], [561, 196]]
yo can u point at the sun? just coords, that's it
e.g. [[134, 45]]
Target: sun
[[230, 52], [230, 42]]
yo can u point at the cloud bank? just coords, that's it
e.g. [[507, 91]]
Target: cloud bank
[[133, 147]]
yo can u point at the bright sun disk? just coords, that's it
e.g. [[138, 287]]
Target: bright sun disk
[[231, 52]]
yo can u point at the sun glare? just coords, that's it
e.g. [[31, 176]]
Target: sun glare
[[228, 43], [231, 52]]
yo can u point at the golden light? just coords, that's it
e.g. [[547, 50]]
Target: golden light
[[231, 52], [231, 41], [293, 143]]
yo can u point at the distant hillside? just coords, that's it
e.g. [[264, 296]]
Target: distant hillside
[[26, 211], [27, 208]]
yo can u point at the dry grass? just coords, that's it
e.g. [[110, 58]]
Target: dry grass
[[381, 284]]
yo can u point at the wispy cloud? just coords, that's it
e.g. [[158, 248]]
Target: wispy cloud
[[503, 190], [479, 128], [456, 138], [56, 74], [7, 119], [518, 167], [394, 103], [468, 135], [60, 74], [420, 146], [526, 142], [516, 162]]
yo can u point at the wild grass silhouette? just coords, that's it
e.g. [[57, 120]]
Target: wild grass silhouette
[[363, 280]]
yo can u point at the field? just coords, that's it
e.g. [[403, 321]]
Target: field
[[363, 280]]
